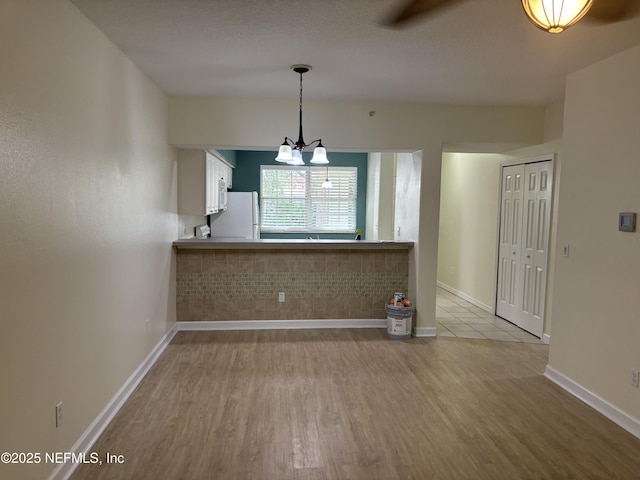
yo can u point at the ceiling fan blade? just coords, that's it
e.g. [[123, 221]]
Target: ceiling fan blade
[[413, 9], [610, 11]]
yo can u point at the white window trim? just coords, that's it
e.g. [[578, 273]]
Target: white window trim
[[309, 201]]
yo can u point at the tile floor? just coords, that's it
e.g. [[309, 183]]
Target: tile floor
[[456, 317]]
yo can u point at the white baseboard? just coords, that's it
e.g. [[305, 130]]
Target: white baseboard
[[282, 324], [93, 432], [546, 338], [464, 296], [425, 332], [295, 324], [613, 413]]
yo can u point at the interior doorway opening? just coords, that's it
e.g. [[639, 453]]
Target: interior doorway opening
[[469, 226]]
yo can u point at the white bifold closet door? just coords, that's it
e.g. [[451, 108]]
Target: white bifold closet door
[[525, 212]]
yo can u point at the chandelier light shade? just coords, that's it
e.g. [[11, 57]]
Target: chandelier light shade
[[555, 16], [319, 155], [291, 152], [284, 153], [296, 158]]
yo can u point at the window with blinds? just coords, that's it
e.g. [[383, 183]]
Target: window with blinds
[[292, 199]]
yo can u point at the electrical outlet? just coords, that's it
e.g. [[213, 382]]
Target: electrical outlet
[[565, 250], [634, 378], [58, 414], [281, 297]]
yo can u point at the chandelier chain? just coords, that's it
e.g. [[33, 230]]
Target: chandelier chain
[[301, 91]]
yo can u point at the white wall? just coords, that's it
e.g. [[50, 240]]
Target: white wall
[[381, 194], [595, 333], [373, 196], [386, 209], [396, 127], [553, 121], [88, 209], [407, 197], [469, 203]]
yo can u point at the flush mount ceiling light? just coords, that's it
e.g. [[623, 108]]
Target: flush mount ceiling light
[[291, 152], [555, 16]]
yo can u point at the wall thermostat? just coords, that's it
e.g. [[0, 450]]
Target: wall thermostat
[[627, 222]]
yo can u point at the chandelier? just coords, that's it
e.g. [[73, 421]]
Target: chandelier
[[291, 152], [555, 16]]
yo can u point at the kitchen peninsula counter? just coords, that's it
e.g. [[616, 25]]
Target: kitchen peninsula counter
[[239, 279], [292, 244]]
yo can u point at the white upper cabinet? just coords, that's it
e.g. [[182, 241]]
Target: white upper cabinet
[[227, 174], [199, 174]]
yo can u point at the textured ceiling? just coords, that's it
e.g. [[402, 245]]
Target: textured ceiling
[[478, 52]]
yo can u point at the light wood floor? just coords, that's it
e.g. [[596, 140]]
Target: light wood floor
[[352, 404]]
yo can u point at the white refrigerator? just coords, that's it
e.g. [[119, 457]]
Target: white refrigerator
[[241, 219]]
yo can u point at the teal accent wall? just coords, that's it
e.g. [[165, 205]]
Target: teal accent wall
[[229, 156], [246, 178]]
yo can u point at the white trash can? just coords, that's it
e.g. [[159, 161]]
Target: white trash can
[[399, 321]]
